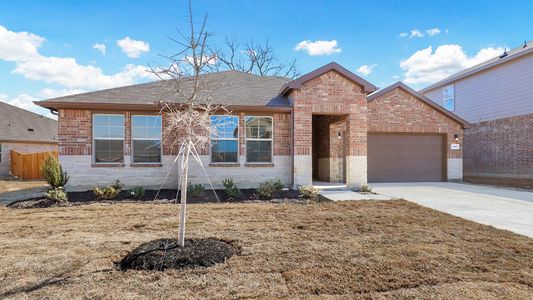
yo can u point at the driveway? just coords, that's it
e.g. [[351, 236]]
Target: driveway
[[502, 208]]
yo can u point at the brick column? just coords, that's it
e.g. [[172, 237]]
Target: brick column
[[302, 143]]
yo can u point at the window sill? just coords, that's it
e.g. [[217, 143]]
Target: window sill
[[225, 165], [146, 165], [111, 165], [259, 165]]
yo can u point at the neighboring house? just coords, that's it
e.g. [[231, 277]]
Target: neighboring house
[[25, 132], [321, 126], [496, 97]]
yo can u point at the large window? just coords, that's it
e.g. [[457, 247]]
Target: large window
[[108, 138], [258, 139], [225, 139], [146, 139]]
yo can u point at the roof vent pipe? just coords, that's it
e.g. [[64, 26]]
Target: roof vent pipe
[[504, 54], [525, 44]]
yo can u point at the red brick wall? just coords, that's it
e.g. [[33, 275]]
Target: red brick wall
[[399, 111], [75, 133], [503, 146], [330, 93]]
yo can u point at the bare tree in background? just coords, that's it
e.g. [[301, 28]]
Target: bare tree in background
[[253, 58], [188, 103]]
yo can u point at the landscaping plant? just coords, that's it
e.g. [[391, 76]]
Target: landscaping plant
[[231, 189], [308, 191], [366, 189], [137, 192], [53, 172], [57, 194], [108, 192], [195, 190], [269, 189]]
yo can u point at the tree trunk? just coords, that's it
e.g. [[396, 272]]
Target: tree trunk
[[183, 205]]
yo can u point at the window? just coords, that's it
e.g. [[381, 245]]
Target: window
[[448, 96], [259, 139], [146, 139], [108, 138], [225, 140], [0, 153]]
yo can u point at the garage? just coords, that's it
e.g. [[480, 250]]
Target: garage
[[406, 157]]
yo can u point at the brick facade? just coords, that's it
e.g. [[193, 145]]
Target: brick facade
[[400, 112], [502, 147]]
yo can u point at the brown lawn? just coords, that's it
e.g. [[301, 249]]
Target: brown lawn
[[391, 250], [11, 185]]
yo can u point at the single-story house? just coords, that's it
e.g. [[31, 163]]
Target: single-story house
[[327, 125], [24, 132], [496, 97]]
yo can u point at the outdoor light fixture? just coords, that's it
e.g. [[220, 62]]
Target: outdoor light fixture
[[339, 135], [456, 137]]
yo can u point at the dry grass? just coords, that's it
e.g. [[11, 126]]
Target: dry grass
[[391, 250], [9, 185]]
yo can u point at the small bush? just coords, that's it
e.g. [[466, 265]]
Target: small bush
[[195, 190], [366, 189], [269, 189], [308, 191], [53, 172], [137, 192], [108, 192], [57, 195], [231, 190]]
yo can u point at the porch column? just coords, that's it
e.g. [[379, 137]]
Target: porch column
[[302, 143], [356, 144]]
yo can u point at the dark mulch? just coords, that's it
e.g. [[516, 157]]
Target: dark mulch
[[36, 203], [164, 254], [518, 183]]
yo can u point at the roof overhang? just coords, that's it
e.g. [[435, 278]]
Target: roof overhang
[[420, 97], [333, 66]]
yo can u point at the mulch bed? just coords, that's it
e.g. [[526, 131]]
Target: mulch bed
[[518, 183], [36, 203], [164, 254]]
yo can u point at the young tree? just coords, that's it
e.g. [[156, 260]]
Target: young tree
[[188, 103]]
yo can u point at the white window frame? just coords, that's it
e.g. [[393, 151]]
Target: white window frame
[[146, 139], [212, 139], [246, 139], [109, 139]]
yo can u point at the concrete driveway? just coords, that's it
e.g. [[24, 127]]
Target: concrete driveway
[[502, 208]]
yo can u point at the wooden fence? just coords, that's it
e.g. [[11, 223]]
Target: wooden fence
[[28, 166]]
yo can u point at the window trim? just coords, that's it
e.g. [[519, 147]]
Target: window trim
[[259, 139], [94, 162], [150, 139], [226, 139]]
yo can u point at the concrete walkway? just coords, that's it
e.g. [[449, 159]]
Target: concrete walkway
[[502, 208], [346, 195]]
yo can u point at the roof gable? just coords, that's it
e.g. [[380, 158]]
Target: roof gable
[[333, 66], [420, 97]]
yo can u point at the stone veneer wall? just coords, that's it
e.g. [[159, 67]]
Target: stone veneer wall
[[5, 162], [501, 148], [399, 112], [75, 153], [330, 93]]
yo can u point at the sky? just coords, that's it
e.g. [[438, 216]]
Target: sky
[[57, 47]]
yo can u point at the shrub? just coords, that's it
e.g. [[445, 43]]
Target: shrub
[[269, 189], [195, 190], [366, 189], [53, 172], [137, 192], [308, 191], [231, 190], [57, 195], [108, 192]]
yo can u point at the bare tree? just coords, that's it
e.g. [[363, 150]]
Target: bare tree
[[255, 58], [188, 103]]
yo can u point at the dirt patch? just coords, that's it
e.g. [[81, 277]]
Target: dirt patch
[[164, 254], [518, 183], [36, 203]]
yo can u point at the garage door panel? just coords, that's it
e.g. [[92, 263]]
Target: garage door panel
[[403, 158]]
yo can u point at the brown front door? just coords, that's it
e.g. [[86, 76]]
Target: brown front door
[[405, 157]]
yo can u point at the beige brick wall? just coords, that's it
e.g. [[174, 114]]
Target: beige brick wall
[[5, 163]]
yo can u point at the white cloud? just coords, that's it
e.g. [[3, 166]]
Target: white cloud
[[366, 69], [318, 47], [205, 59], [25, 101], [426, 66], [416, 33], [133, 48], [100, 47], [16, 46], [48, 93], [433, 31], [403, 34]]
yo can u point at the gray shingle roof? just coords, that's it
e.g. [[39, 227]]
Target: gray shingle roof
[[230, 88], [16, 124]]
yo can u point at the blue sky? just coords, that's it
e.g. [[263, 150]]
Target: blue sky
[[47, 48]]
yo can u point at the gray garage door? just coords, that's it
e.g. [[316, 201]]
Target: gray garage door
[[405, 158]]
